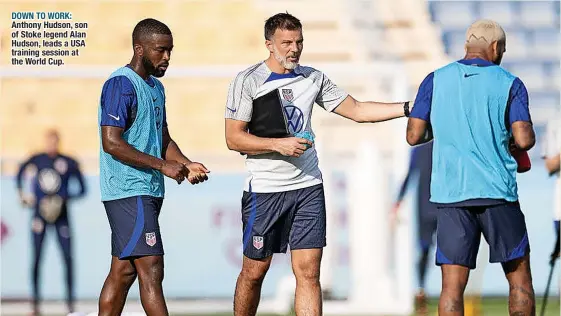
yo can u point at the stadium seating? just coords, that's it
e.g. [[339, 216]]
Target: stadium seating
[[201, 39], [198, 26], [411, 37], [356, 32]]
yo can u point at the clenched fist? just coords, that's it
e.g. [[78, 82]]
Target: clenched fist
[[174, 170]]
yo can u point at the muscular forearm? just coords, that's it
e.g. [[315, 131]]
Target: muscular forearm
[[172, 152], [418, 132], [371, 112], [246, 143], [129, 155]]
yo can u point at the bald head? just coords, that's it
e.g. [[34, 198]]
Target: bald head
[[486, 38]]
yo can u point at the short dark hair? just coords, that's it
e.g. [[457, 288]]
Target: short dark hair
[[283, 21], [148, 27]]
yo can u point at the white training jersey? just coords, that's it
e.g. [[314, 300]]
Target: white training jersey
[[551, 144], [551, 147], [558, 182], [299, 90]]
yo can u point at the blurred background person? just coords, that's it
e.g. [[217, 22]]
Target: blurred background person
[[51, 174], [550, 153], [420, 168]]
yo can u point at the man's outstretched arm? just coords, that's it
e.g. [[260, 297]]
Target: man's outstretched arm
[[370, 111]]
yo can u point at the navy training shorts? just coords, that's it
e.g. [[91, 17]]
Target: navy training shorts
[[272, 221], [459, 232], [135, 230]]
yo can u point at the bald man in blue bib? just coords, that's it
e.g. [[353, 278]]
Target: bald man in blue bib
[[476, 112]]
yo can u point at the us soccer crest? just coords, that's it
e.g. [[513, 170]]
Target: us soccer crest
[[258, 242], [287, 95], [151, 239]]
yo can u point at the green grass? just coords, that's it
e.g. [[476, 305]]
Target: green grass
[[491, 307]]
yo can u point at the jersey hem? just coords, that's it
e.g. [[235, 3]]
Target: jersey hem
[[291, 187], [124, 196], [460, 200]]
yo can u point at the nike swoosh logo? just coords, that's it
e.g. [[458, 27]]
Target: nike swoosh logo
[[115, 117], [469, 75], [233, 110]]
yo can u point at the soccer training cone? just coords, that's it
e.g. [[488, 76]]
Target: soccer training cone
[[472, 306]]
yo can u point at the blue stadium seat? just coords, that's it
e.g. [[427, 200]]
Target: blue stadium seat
[[501, 11], [454, 43], [553, 72], [546, 43], [516, 44], [544, 99], [539, 14], [453, 13], [531, 73]]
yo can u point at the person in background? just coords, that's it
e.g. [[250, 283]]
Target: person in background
[[51, 174], [550, 153], [420, 168]]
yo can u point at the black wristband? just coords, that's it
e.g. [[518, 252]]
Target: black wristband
[[406, 109]]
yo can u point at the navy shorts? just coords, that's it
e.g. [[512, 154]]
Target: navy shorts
[[135, 230], [272, 221], [459, 232]]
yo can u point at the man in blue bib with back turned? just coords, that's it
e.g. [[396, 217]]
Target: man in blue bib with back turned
[[477, 112]]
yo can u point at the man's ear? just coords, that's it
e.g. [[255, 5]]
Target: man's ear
[[269, 45], [495, 48], [138, 50]]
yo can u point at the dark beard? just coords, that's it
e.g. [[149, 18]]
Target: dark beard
[[151, 69]]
